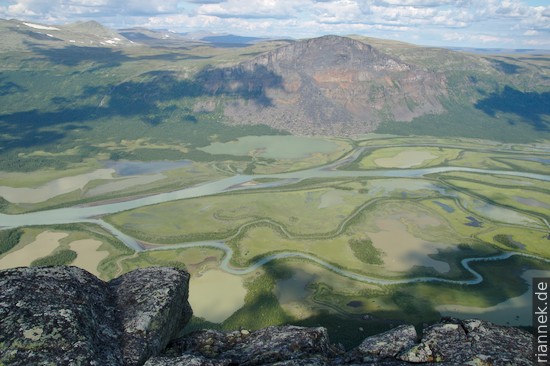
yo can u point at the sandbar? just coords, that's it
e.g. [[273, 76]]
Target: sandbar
[[53, 188], [405, 159]]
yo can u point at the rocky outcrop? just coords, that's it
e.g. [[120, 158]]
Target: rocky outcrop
[[450, 342], [471, 342], [265, 346], [329, 86], [66, 316]]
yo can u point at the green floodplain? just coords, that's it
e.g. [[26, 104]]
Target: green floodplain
[[341, 229]]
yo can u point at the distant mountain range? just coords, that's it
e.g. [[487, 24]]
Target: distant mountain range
[[20, 34], [330, 85], [92, 33]]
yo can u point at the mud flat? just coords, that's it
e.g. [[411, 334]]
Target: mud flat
[[43, 245], [53, 188], [331, 198], [531, 202], [120, 185], [295, 147], [215, 295], [88, 256], [405, 159]]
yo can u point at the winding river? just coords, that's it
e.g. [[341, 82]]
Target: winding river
[[225, 264], [93, 214]]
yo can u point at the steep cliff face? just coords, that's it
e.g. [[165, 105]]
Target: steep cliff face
[[66, 316], [328, 85]]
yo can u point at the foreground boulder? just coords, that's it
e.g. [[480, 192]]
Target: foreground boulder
[[64, 315], [153, 309]]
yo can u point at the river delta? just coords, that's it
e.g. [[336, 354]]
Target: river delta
[[399, 229]]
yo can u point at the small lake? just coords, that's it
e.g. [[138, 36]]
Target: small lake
[[126, 168], [354, 304], [473, 222], [540, 160], [447, 208]]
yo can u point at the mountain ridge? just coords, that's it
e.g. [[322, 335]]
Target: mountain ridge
[[328, 85], [23, 35]]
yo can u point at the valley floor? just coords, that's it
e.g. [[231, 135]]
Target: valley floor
[[355, 235]]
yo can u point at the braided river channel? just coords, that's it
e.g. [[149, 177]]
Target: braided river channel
[[93, 213]]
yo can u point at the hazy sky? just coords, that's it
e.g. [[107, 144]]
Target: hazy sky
[[474, 23]]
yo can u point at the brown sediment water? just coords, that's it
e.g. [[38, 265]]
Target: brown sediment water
[[43, 245], [88, 256], [215, 295]]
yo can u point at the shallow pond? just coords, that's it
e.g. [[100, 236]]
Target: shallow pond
[[447, 208], [402, 250], [473, 222], [497, 213], [215, 295], [355, 304], [126, 168], [294, 289], [44, 243], [540, 160], [88, 254], [531, 202]]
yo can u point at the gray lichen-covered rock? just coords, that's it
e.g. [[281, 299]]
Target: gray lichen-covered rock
[[187, 360], [66, 316], [471, 342], [450, 342], [152, 308], [265, 346], [388, 344], [59, 315], [281, 344]]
